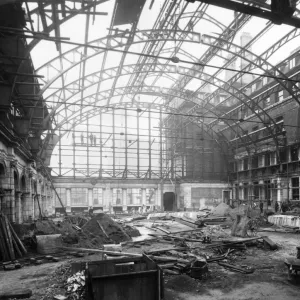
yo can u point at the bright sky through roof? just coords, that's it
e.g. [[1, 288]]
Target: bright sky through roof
[[211, 21]]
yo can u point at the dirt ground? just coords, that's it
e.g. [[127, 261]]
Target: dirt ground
[[269, 281]]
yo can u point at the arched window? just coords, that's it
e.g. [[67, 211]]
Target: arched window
[[16, 181], [23, 184]]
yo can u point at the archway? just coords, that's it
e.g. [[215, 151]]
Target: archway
[[169, 201]]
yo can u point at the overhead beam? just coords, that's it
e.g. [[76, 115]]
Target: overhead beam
[[253, 11], [72, 11]]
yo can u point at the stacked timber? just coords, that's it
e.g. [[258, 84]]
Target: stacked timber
[[11, 246]]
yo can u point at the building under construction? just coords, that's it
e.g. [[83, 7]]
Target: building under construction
[[166, 105]]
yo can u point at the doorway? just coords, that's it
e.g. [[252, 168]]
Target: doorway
[[226, 197], [169, 201]]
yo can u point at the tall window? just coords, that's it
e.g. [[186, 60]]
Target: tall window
[[134, 196], [295, 188], [273, 158], [117, 197], [97, 196], [150, 196], [292, 63], [79, 196], [62, 195], [280, 96], [294, 153]]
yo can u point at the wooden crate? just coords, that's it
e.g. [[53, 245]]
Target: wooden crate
[[124, 279]]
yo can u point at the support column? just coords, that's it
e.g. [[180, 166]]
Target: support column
[[144, 198], [159, 196], [124, 196], [68, 200], [90, 197], [44, 206], [36, 199], [18, 207], [7, 200], [107, 197], [27, 206], [12, 208], [282, 192]]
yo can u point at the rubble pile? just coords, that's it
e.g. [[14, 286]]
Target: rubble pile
[[104, 230], [221, 210], [75, 286]]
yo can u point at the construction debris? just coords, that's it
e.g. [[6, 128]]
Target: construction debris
[[110, 231], [15, 294], [244, 270], [240, 226], [11, 246], [48, 244], [75, 286], [268, 242]]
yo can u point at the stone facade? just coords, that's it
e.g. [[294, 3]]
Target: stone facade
[[23, 189], [125, 195]]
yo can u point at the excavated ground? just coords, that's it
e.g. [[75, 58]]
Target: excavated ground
[[269, 281]]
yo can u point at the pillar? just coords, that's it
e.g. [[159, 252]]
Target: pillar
[[107, 197], [159, 197], [282, 192], [18, 207], [12, 208], [36, 199], [68, 200], [7, 202], [27, 206], [124, 197], [144, 198], [90, 197]]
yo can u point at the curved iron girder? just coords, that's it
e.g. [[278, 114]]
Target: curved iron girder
[[130, 69], [193, 38], [50, 28], [205, 16], [237, 24], [150, 90], [230, 60], [258, 65], [267, 54], [112, 72], [91, 113], [141, 35], [165, 22]]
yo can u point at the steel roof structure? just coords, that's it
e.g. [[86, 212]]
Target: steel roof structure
[[108, 87]]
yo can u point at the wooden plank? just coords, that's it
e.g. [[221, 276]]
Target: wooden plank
[[166, 266], [270, 243], [163, 258], [101, 227], [19, 242], [188, 230], [163, 230], [185, 222], [17, 250], [100, 251], [235, 242], [126, 275], [15, 294], [165, 250], [9, 245], [3, 248]]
